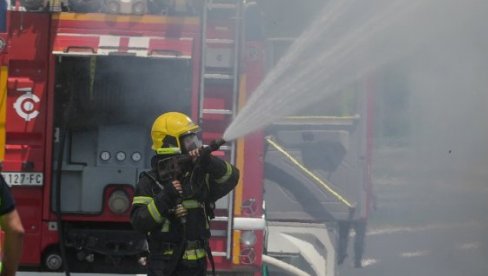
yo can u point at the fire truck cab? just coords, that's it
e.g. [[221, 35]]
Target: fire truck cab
[[318, 180], [317, 185]]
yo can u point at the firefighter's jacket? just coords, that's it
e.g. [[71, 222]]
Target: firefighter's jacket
[[153, 206]]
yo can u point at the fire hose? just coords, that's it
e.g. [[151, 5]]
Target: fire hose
[[283, 266]]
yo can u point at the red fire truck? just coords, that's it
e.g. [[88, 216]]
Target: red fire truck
[[81, 82]]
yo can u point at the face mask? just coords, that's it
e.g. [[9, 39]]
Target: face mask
[[190, 142]]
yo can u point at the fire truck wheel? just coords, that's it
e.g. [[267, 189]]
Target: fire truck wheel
[[53, 260]]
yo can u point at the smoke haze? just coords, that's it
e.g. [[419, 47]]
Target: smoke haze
[[431, 182], [351, 39]]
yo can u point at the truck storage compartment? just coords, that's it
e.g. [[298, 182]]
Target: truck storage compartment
[[105, 106]]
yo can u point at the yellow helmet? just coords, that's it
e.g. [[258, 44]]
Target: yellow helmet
[[169, 129]]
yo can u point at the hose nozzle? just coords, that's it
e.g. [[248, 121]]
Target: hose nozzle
[[214, 145]]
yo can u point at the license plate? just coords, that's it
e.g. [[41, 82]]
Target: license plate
[[23, 178]]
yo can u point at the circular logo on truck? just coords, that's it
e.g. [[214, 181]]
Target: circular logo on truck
[[25, 106]]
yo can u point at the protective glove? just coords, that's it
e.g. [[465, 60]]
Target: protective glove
[[177, 187], [180, 211], [167, 199]]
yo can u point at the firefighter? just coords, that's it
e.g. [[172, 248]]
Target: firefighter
[[359, 226], [11, 225], [174, 201]]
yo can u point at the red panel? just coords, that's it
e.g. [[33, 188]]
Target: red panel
[[65, 43], [26, 119], [215, 103], [49, 145], [126, 25], [253, 174], [28, 200], [124, 44], [254, 143], [209, 136], [26, 103], [19, 83], [91, 44], [28, 36], [177, 46]]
